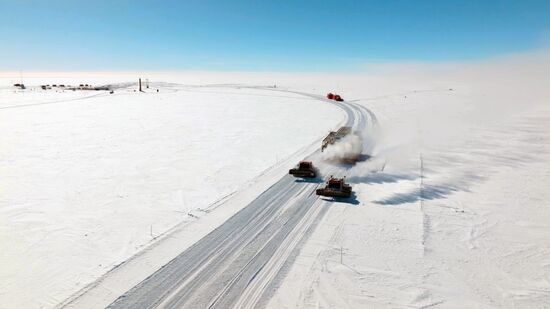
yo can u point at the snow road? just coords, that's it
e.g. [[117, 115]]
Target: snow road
[[89, 184], [234, 265]]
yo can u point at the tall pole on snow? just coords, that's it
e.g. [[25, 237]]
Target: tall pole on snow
[[140, 85], [420, 142], [421, 182]]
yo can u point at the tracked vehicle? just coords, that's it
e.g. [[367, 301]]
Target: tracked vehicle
[[333, 137], [335, 97], [304, 169], [335, 187]]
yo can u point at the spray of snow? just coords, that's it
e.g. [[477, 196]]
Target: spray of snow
[[350, 146]]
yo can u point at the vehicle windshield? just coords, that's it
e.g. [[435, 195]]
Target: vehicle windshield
[[334, 185]]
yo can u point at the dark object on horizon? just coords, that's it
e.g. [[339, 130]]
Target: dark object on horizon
[[335, 97], [140, 85]]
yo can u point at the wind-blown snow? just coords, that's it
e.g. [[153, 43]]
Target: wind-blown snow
[[475, 234], [349, 146]]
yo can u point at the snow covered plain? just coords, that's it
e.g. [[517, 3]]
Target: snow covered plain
[[89, 178], [475, 234]]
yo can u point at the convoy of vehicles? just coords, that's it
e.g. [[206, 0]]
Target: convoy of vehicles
[[334, 187]]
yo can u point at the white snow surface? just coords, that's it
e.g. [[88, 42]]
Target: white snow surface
[[84, 180], [475, 234], [88, 179]]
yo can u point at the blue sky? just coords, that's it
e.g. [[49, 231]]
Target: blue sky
[[262, 35]]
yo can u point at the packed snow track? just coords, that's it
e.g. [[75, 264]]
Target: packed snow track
[[237, 264]]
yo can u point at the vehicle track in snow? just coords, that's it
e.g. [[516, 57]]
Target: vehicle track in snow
[[95, 95], [233, 266]]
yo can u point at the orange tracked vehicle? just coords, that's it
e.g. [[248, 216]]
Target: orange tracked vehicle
[[304, 169], [335, 187]]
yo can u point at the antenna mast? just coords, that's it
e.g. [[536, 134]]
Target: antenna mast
[[421, 182]]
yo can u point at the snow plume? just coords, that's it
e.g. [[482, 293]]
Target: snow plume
[[350, 146], [371, 165]]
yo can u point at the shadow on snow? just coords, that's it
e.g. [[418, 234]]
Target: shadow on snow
[[350, 200], [380, 178]]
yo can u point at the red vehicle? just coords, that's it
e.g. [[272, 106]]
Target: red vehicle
[[304, 169], [335, 187], [335, 97]]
